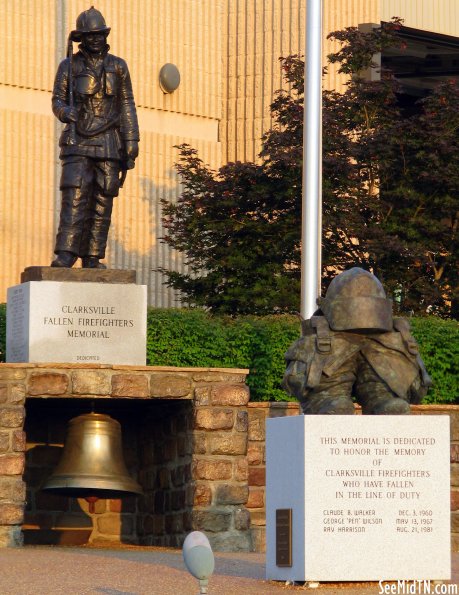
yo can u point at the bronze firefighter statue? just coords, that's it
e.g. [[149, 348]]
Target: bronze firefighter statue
[[93, 95], [352, 347]]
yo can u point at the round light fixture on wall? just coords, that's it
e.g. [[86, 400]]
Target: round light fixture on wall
[[169, 78]]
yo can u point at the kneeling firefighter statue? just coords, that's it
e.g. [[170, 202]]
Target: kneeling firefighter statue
[[352, 347], [93, 95]]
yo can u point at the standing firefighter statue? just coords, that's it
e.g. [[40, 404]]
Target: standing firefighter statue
[[93, 95], [352, 347]]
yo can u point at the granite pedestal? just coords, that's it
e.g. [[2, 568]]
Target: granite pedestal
[[77, 316], [358, 498]]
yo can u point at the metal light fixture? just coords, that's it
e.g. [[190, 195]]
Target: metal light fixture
[[169, 78], [199, 558]]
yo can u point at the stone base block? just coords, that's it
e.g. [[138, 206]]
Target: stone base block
[[68, 322], [259, 539], [369, 498], [11, 537]]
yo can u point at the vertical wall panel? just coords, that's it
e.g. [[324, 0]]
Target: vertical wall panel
[[26, 203], [27, 43], [441, 16]]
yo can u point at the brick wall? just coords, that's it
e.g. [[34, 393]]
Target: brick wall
[[165, 473], [256, 451], [12, 457], [220, 469], [258, 412], [194, 470]]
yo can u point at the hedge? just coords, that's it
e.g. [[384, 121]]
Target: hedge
[[439, 346], [181, 337]]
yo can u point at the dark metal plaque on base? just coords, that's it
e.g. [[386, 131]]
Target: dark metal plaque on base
[[283, 537]]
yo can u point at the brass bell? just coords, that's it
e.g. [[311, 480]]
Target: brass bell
[[92, 463]]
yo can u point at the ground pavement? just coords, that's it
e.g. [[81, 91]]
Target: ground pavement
[[149, 571]]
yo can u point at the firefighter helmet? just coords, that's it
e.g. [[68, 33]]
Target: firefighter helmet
[[356, 300], [89, 21]]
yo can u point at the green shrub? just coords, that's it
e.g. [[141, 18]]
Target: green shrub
[[439, 346], [271, 337], [180, 337]]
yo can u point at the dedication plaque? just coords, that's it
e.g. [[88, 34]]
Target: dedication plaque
[[68, 322], [370, 496], [284, 537]]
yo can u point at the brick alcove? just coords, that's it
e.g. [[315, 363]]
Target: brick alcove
[[184, 440], [157, 451]]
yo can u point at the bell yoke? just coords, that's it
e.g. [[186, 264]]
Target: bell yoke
[[352, 347], [93, 95]]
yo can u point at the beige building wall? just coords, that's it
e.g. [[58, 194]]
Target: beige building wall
[[441, 16], [227, 52]]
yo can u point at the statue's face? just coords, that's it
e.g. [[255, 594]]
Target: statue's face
[[93, 42]]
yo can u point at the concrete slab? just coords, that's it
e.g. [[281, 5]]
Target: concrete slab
[[150, 571]]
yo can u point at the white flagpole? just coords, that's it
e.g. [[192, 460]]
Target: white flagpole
[[311, 233]]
